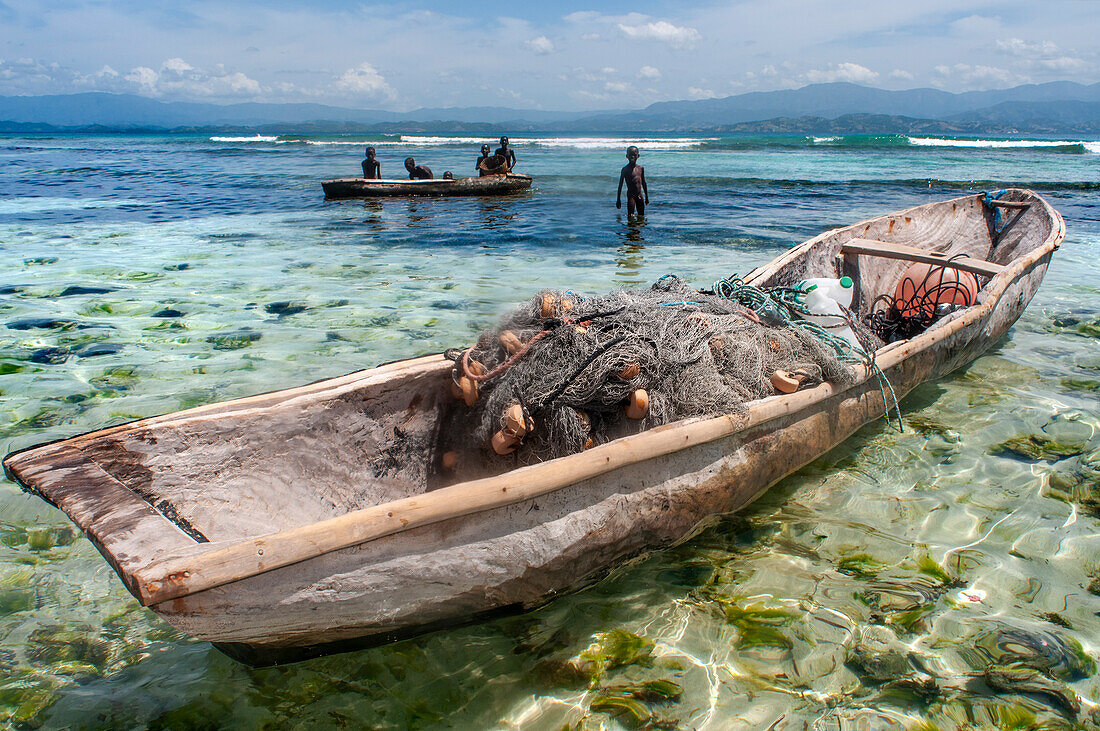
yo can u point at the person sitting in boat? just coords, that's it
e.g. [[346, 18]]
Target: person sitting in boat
[[417, 172], [371, 169], [508, 153], [448, 175], [637, 192], [479, 166]]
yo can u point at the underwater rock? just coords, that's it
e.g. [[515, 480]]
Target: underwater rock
[[41, 260], [94, 349], [1006, 645], [234, 340], [1026, 680], [1090, 329], [284, 309], [41, 323], [879, 656], [11, 289], [1036, 447], [176, 267], [1081, 384], [167, 312], [77, 289], [49, 355]]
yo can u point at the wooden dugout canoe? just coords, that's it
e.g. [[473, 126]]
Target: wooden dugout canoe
[[288, 524], [484, 185]]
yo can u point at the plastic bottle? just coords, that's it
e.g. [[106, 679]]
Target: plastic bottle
[[827, 312], [840, 290]]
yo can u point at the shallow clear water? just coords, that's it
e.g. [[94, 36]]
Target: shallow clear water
[[938, 555]]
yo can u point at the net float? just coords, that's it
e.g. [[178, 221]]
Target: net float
[[468, 386], [449, 460], [510, 342], [923, 286], [504, 443], [717, 349], [552, 306], [582, 417], [630, 372], [787, 382], [637, 405], [549, 305], [456, 390], [515, 422]]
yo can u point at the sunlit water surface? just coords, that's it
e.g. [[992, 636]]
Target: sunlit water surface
[[934, 575]]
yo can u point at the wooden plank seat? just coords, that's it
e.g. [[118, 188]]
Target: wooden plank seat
[[886, 250]]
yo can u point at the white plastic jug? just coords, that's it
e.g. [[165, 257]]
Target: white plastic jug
[[840, 290], [826, 312]]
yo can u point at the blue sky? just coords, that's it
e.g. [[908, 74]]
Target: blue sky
[[549, 55]]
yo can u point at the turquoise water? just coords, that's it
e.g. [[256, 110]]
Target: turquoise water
[[940, 575]]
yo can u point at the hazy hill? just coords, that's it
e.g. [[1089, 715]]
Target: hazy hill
[[128, 110], [1031, 108]]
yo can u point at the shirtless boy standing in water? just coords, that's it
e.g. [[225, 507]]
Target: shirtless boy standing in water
[[508, 153], [371, 169], [637, 192], [484, 156]]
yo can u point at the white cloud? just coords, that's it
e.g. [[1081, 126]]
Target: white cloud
[[649, 72], [1063, 64], [144, 78], [178, 79], [695, 92], [983, 77], [1018, 46], [1044, 56], [364, 80], [675, 35], [540, 45], [976, 25], [901, 74], [846, 71]]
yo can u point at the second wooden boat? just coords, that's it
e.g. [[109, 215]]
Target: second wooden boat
[[484, 185], [292, 523]]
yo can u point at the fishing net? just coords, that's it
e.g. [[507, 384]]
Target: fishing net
[[571, 365]]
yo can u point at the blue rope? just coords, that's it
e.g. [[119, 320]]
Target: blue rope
[[998, 217], [789, 304]]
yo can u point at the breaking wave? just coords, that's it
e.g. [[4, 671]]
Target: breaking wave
[[253, 138]]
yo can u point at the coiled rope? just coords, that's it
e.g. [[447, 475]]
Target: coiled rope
[[788, 304]]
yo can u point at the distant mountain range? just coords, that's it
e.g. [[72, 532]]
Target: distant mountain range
[[837, 108]]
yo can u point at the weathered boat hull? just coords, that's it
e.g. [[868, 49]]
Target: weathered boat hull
[[438, 187], [551, 527]]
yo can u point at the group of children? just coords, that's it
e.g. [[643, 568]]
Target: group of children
[[633, 174], [372, 169]]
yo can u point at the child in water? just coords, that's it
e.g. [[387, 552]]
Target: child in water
[[371, 169], [637, 192], [417, 172]]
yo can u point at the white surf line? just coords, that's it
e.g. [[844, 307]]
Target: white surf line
[[1091, 146], [254, 138]]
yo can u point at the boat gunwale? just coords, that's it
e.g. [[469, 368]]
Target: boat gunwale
[[176, 576]]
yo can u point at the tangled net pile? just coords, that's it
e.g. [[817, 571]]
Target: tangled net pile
[[572, 363]]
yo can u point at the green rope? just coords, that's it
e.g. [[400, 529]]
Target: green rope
[[789, 304]]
